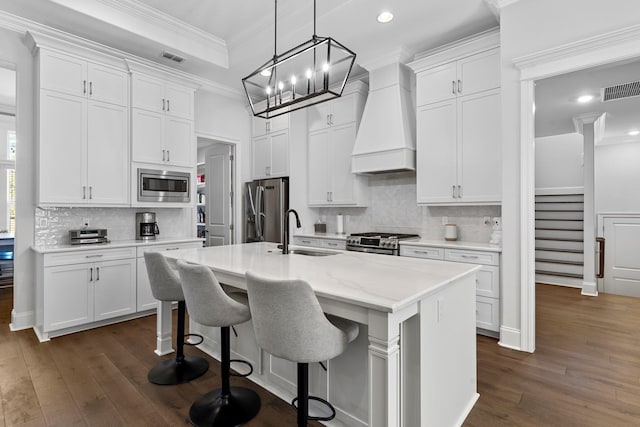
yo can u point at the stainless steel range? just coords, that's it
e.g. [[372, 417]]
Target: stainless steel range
[[378, 243]]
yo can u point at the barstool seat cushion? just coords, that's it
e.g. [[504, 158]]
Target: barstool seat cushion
[[208, 304], [165, 280], [289, 322]]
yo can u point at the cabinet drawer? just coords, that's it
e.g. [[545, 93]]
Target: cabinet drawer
[[488, 313], [472, 257], [333, 244], [488, 281], [90, 255], [422, 252], [167, 247], [306, 241]]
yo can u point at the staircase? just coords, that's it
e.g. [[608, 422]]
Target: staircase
[[559, 239]]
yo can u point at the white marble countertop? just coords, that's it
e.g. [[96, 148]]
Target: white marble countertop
[[114, 244], [384, 283], [334, 236], [456, 244]]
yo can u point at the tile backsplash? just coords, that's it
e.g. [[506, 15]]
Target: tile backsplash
[[393, 208], [53, 224]]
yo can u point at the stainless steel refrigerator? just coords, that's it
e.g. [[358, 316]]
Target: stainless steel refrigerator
[[266, 202]]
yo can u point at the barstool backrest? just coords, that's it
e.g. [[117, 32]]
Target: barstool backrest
[[289, 323], [207, 302], [164, 280]]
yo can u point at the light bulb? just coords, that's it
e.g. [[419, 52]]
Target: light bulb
[[308, 73], [280, 85], [268, 90], [266, 72], [325, 67], [293, 80]]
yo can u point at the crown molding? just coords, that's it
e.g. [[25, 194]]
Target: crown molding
[[598, 120], [496, 6], [399, 55], [149, 23]]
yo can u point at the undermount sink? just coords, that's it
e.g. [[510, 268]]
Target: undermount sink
[[309, 252]]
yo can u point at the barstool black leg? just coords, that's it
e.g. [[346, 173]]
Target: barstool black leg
[[227, 406], [183, 368], [303, 394]]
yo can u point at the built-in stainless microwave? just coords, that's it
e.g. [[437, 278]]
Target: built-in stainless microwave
[[163, 186]]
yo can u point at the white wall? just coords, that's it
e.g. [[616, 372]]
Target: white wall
[[529, 26], [14, 54], [618, 178], [559, 161]]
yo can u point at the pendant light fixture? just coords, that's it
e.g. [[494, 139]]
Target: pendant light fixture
[[312, 72]]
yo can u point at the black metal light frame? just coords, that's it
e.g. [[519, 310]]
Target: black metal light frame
[[287, 101]]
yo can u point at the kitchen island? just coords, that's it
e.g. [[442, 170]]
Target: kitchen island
[[414, 363]]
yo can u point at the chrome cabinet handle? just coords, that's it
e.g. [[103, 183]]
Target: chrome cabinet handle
[[84, 86], [470, 256], [90, 192], [267, 170], [459, 191], [172, 249], [163, 105], [306, 241], [168, 105], [168, 154], [90, 88], [453, 191], [328, 120], [163, 155], [459, 86], [84, 192], [331, 119], [422, 252], [332, 244], [91, 274], [97, 273], [453, 87], [94, 256]]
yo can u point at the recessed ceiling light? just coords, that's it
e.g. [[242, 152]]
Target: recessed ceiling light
[[385, 17], [634, 133], [585, 98]]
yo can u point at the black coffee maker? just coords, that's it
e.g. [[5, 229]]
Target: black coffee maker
[[146, 226]]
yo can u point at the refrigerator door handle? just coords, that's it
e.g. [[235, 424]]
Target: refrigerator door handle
[[259, 214]]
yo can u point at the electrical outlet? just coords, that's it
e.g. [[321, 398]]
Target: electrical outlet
[[445, 220], [497, 222], [85, 222], [487, 220]]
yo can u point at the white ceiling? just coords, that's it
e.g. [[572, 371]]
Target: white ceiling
[[246, 27], [556, 101]]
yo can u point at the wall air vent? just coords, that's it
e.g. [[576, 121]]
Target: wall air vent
[[172, 56], [621, 91]]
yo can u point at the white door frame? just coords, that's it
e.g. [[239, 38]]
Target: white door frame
[[591, 52]]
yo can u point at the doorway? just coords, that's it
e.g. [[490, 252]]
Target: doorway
[[216, 195], [8, 142], [591, 52]]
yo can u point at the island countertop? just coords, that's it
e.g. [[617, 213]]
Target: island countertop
[[384, 283]]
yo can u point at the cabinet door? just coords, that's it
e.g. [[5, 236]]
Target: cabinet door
[[179, 101], [479, 72], [261, 157], [63, 73], [179, 141], [144, 297], [107, 84], [479, 129], [436, 84], [108, 148], [279, 123], [436, 153], [339, 164], [147, 136], [279, 154], [148, 93], [342, 110], [318, 116], [68, 297], [62, 149], [317, 174], [114, 288]]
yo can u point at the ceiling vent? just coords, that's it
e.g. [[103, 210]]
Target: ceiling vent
[[621, 91], [172, 57]]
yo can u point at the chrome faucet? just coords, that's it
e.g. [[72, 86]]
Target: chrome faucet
[[285, 230]]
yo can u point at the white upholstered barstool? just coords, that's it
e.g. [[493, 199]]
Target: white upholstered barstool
[[289, 323], [166, 286], [209, 305]]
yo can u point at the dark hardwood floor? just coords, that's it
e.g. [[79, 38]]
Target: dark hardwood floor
[[585, 372]]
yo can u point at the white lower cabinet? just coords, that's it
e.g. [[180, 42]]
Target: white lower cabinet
[[86, 291], [320, 242], [487, 278]]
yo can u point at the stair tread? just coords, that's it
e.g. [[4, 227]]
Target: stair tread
[[558, 239], [560, 195], [573, 251], [559, 201], [559, 229], [555, 273], [559, 261], [560, 210], [558, 219]]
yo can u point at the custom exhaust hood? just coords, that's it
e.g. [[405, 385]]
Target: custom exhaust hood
[[386, 138]]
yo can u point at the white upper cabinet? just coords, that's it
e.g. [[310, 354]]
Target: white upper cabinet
[[270, 147], [458, 120], [75, 76], [466, 76], [83, 132], [332, 134], [162, 122]]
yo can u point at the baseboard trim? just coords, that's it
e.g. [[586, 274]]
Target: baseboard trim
[[467, 409], [21, 321], [510, 338], [590, 289]]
